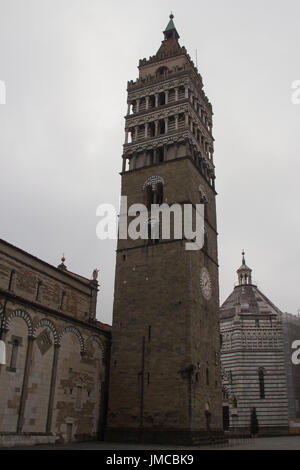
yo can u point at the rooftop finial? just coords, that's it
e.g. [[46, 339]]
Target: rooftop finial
[[62, 264], [243, 254], [171, 16]]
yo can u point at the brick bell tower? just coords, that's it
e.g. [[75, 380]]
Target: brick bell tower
[[165, 380]]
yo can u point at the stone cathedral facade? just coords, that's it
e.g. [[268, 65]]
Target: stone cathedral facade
[[254, 359], [165, 377], [53, 386]]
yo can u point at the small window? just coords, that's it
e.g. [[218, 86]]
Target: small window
[[62, 300], [11, 279], [205, 245], [149, 195], [152, 102], [14, 354], [160, 154], [39, 284], [151, 157], [160, 193], [162, 99], [162, 127], [261, 378], [78, 397], [162, 70]]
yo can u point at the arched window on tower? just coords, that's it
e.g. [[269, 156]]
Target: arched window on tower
[[154, 189], [154, 194], [149, 196], [160, 193], [261, 378]]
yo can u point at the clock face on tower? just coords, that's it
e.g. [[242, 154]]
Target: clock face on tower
[[205, 284]]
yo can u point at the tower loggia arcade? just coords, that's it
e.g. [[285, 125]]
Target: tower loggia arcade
[[165, 377]]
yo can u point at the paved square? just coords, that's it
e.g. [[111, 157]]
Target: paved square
[[267, 443]]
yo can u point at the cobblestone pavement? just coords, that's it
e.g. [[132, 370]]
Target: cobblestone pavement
[[268, 443]]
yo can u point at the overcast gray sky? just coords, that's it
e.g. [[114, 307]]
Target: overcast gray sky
[[66, 64]]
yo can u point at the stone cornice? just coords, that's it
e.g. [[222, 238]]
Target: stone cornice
[[269, 329], [161, 243], [32, 262], [154, 114], [165, 111], [162, 85], [187, 157], [168, 139], [141, 89], [95, 326], [249, 350], [154, 142]]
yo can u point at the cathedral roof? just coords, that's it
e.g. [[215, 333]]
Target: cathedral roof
[[246, 298]]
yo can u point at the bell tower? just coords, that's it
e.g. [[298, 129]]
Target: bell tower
[[165, 380]]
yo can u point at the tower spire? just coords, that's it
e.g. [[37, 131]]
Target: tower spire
[[244, 273], [171, 31]]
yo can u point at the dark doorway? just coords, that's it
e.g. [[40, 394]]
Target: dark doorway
[[226, 418]]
